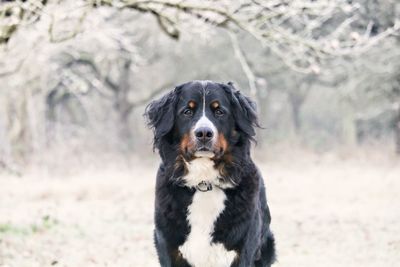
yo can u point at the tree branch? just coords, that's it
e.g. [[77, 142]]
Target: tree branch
[[95, 70], [251, 78]]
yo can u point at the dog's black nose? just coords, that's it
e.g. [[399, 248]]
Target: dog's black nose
[[204, 134]]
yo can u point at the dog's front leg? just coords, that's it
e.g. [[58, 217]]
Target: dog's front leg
[[247, 254], [162, 250], [246, 259], [168, 257], [250, 250]]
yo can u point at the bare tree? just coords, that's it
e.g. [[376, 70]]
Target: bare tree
[[299, 32], [60, 58]]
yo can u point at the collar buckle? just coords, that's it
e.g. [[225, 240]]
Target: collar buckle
[[204, 186]]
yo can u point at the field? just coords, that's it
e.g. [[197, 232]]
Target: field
[[327, 211]]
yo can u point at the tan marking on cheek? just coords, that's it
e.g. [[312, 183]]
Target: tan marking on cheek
[[186, 143], [222, 143], [215, 104], [192, 104]]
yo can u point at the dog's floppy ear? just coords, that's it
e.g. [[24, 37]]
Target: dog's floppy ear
[[244, 111], [160, 115]]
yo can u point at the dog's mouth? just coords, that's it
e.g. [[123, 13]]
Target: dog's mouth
[[207, 152], [204, 153], [192, 149]]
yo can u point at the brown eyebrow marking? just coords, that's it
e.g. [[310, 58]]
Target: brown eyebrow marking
[[192, 104], [215, 104]]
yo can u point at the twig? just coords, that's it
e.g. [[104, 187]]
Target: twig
[[251, 78]]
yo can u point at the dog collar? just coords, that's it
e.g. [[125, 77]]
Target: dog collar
[[204, 186]]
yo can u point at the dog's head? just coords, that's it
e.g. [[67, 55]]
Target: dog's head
[[202, 119]]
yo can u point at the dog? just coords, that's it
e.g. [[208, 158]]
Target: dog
[[210, 206]]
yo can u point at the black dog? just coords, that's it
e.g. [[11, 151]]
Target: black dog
[[211, 208]]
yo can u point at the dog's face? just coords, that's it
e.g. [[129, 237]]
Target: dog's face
[[204, 122], [202, 119]]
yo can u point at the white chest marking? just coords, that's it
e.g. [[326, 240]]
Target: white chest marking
[[202, 214], [204, 210], [200, 169]]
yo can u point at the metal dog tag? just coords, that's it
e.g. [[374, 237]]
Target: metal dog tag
[[204, 186]]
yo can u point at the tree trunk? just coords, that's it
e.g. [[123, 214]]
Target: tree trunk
[[18, 128], [296, 118], [123, 105], [349, 125], [296, 102]]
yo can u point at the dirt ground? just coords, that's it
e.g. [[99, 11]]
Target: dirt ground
[[327, 211]]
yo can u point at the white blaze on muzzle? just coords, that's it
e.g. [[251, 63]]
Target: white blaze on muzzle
[[205, 122]]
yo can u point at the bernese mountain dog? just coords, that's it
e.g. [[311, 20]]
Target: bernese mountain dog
[[210, 206]]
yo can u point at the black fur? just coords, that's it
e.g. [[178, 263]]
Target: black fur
[[243, 226]]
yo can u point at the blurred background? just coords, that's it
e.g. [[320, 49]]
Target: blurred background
[[77, 168]]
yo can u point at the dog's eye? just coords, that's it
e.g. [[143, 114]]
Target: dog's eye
[[188, 112], [219, 112]]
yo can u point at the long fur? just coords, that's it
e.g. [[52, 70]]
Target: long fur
[[238, 224]]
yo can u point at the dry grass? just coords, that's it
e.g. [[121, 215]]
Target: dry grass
[[326, 212]]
